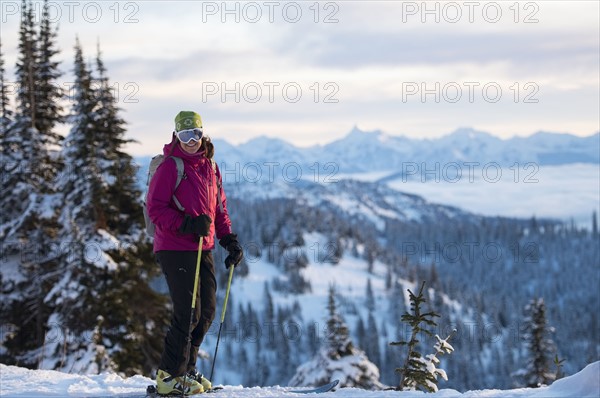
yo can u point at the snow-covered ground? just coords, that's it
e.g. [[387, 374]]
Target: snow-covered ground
[[20, 382]]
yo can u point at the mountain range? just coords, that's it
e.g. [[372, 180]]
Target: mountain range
[[364, 151]]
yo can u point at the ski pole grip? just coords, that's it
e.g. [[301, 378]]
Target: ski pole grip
[[229, 263]]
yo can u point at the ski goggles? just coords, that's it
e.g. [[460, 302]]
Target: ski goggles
[[188, 135]]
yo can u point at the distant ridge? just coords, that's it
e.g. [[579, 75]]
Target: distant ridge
[[362, 151], [375, 151]]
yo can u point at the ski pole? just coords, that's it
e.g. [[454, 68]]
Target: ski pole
[[212, 370], [195, 292]]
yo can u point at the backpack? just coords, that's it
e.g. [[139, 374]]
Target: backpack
[[154, 163]]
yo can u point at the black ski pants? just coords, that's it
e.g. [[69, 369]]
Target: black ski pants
[[183, 338]]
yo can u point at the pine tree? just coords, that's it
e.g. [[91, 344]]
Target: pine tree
[[123, 219], [29, 166], [48, 93], [120, 201], [38, 94], [540, 346], [312, 338], [370, 297], [105, 285], [361, 333], [28, 223], [283, 352], [83, 274], [269, 309], [338, 357], [418, 371], [19, 185], [396, 303], [372, 345], [389, 276], [26, 67], [338, 335], [80, 182]]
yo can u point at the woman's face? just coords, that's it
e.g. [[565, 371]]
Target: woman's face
[[191, 147]]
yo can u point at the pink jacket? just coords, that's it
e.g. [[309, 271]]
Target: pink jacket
[[197, 193]]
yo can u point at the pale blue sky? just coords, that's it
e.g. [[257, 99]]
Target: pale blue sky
[[307, 72]]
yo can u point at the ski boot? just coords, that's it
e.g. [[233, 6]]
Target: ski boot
[[199, 377], [174, 385]]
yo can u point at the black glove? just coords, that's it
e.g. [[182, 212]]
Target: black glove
[[231, 244], [199, 225]]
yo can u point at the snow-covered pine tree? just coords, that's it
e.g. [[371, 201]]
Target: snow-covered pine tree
[[84, 265], [20, 188], [120, 202], [338, 358], [105, 275], [38, 96], [418, 371], [5, 123], [29, 165], [540, 346], [123, 219]]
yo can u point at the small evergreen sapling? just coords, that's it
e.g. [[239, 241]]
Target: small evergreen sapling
[[418, 371], [558, 363]]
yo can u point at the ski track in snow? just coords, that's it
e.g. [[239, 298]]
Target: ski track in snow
[[20, 383]]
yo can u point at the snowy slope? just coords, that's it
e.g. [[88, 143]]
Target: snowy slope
[[21, 383]]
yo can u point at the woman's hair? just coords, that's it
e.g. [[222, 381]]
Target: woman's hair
[[208, 147]]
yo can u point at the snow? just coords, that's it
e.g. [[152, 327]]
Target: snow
[[350, 370], [21, 383]]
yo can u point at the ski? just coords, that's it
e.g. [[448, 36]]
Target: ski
[[317, 390], [152, 393]]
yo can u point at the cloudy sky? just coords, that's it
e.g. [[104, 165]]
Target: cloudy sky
[[308, 71]]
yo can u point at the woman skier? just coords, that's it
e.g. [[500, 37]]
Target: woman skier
[[176, 245]]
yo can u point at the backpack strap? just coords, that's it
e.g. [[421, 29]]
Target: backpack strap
[[180, 174], [219, 183]]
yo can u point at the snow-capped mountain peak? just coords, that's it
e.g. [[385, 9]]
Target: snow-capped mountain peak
[[366, 151]]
